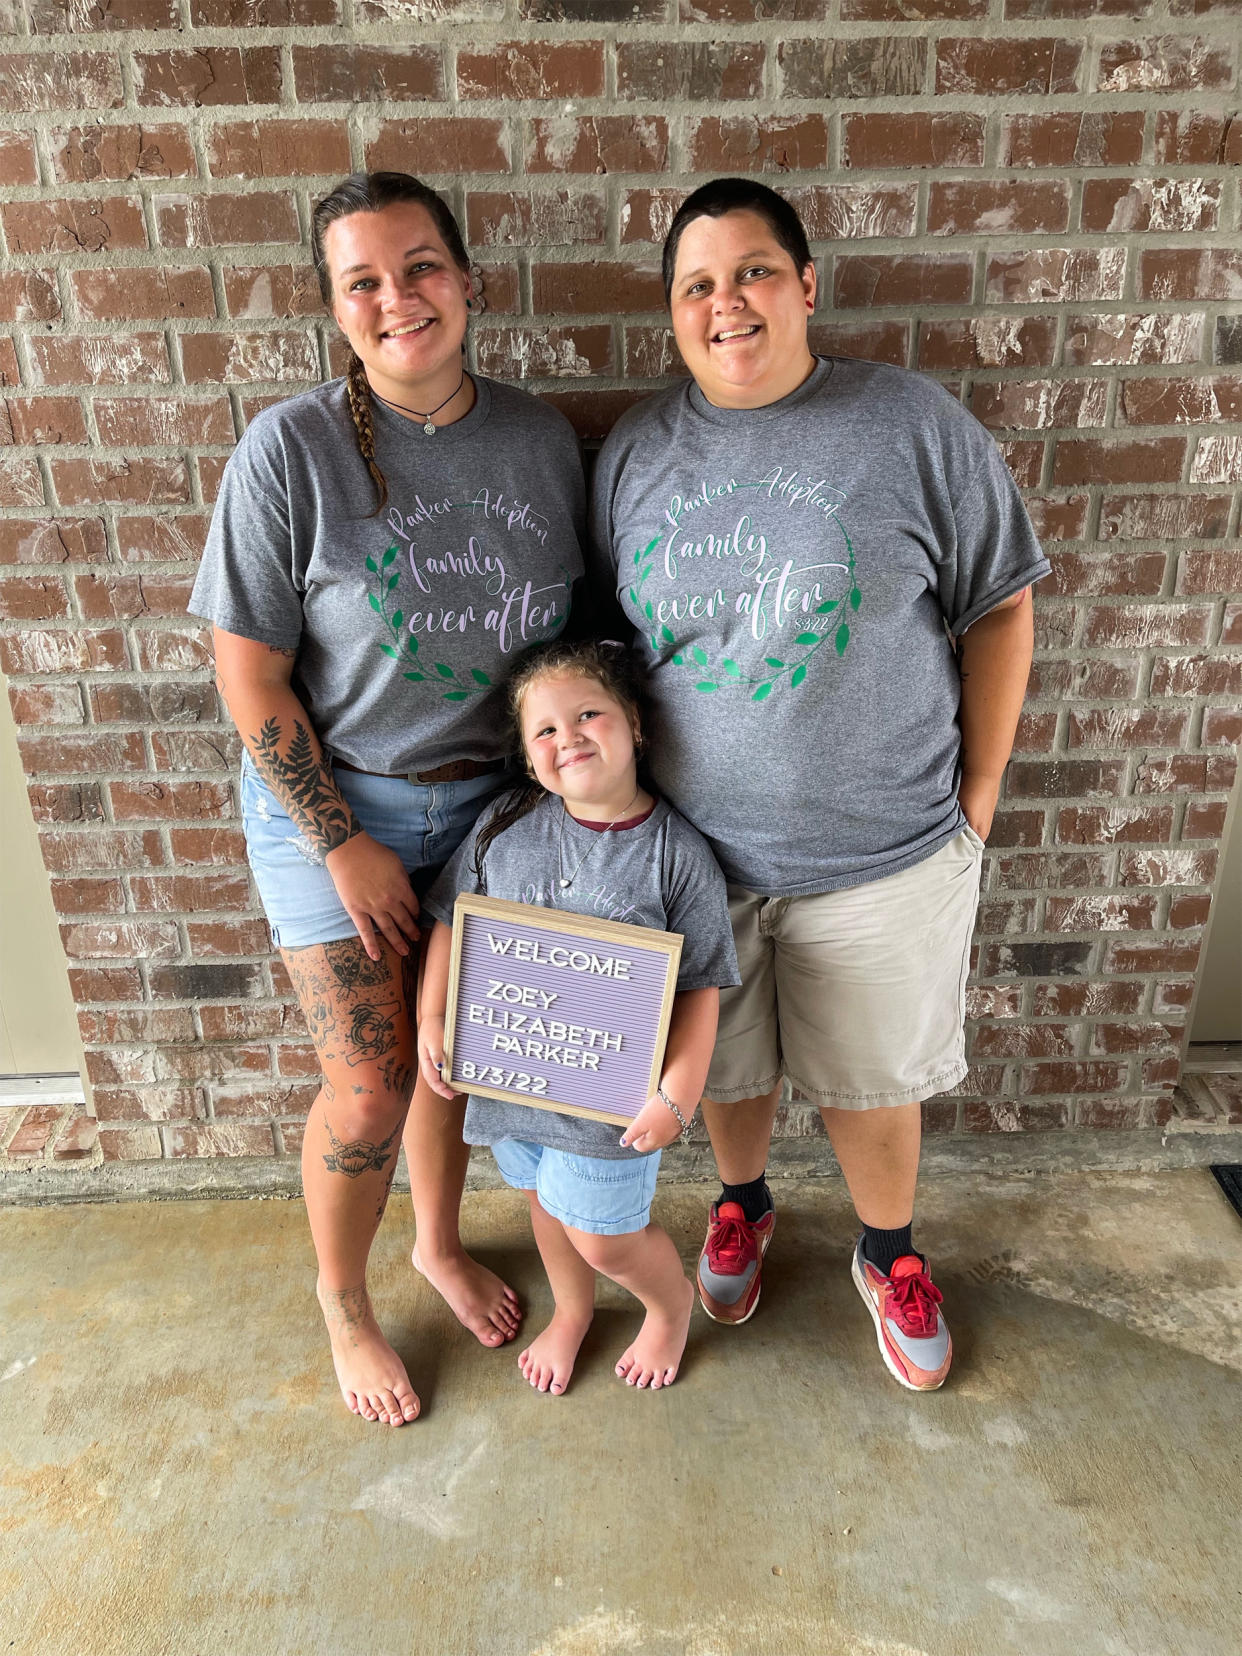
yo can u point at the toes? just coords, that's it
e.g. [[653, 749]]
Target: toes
[[406, 1400], [366, 1408], [351, 1402], [557, 1387]]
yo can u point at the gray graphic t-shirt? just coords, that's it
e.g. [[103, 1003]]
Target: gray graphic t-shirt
[[659, 873], [405, 622], [791, 571]]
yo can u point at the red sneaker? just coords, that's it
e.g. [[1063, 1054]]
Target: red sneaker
[[905, 1307], [731, 1264]]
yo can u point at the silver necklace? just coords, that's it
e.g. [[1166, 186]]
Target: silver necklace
[[428, 426], [564, 882]]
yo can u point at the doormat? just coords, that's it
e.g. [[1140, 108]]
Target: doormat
[[1230, 1181]]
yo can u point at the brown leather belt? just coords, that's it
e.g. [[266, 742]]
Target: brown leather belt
[[457, 770]]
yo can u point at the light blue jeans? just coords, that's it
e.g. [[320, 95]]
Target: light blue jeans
[[591, 1193]]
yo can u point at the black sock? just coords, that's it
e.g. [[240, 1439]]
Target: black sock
[[754, 1199], [883, 1248]]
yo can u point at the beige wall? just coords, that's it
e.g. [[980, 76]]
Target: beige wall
[[38, 1028]]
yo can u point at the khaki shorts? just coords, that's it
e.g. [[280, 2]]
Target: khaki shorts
[[858, 996]]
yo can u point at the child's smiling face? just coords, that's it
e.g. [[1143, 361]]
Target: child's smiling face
[[580, 743]]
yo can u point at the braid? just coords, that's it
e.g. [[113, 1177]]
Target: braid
[[521, 803], [359, 393]]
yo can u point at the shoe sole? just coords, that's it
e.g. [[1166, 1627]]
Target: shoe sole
[[735, 1322], [889, 1364]]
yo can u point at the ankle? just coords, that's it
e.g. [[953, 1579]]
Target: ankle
[[883, 1248], [754, 1198]]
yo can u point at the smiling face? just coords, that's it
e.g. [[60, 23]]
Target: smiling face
[[580, 744], [740, 309], [400, 300]]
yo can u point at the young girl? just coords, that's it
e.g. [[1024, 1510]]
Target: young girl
[[584, 835]]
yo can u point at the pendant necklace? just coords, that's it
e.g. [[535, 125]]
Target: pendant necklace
[[428, 426], [566, 881]]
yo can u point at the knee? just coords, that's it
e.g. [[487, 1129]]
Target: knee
[[608, 1254], [370, 1113]]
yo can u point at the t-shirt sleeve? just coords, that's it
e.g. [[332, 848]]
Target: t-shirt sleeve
[[247, 581], [697, 906], [996, 552]]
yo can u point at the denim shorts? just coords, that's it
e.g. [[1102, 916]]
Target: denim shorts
[[423, 823], [591, 1193]]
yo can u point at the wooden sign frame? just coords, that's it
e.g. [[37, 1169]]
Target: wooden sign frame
[[625, 1006]]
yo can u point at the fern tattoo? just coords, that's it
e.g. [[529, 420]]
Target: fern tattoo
[[299, 779]]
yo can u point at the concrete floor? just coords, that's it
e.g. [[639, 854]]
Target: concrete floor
[[178, 1474]]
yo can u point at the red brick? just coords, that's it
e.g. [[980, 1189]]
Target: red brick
[[1085, 1000], [169, 801], [61, 651], [122, 1028], [1058, 520], [42, 421], [226, 221], [84, 155], [1138, 204], [1134, 339], [1103, 1114], [458, 145], [533, 70], [858, 67], [1024, 65], [596, 286], [852, 212], [1140, 626], [105, 983], [50, 17], [242, 358], [1197, 676], [146, 482], [244, 1022], [208, 76], [278, 149], [10, 373], [270, 14], [576, 11], [646, 215], [35, 1130], [1196, 274], [1172, 773], [214, 846], [1222, 726], [72, 851], [536, 218], [298, 1061], [1210, 572], [196, 750], [1008, 207], [88, 897], [1185, 913], [162, 422], [1010, 1116], [1055, 274], [1037, 404], [1119, 727], [1005, 917], [100, 359], [170, 650], [107, 295], [863, 280], [544, 353], [161, 701], [912, 140], [1072, 139], [707, 71], [46, 704], [80, 802], [232, 1140], [17, 160], [987, 342], [993, 1001], [130, 1144], [878, 341], [1204, 819], [1164, 517], [752, 143], [79, 1139], [1065, 779], [1071, 1078], [1164, 63], [1085, 680], [272, 290], [1113, 461], [1195, 138], [33, 598], [84, 226], [1011, 1040], [651, 353], [349, 72], [136, 939], [598, 144], [1217, 460], [123, 597], [161, 539], [593, 413], [1173, 997], [210, 476], [85, 754], [218, 939], [1122, 574], [29, 296], [1182, 401], [1161, 1072], [60, 80], [1100, 913], [1046, 869], [1115, 825], [1230, 630], [1017, 828]]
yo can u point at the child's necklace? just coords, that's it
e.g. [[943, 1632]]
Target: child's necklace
[[566, 881], [428, 426]]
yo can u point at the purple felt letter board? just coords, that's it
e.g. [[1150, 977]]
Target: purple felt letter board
[[557, 1010]]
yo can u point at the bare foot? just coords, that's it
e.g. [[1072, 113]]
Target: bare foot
[[372, 1377], [653, 1358], [476, 1296], [548, 1360]]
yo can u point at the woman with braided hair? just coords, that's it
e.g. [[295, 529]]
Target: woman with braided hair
[[381, 547]]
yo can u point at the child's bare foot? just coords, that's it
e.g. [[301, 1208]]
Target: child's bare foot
[[476, 1296], [371, 1376], [654, 1357], [548, 1360]]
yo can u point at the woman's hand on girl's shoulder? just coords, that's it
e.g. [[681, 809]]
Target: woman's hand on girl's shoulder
[[372, 883]]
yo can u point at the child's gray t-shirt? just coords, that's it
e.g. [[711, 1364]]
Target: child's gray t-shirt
[[792, 570], [659, 873], [404, 623]]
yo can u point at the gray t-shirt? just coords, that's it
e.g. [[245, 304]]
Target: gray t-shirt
[[792, 570], [404, 623], [659, 873]]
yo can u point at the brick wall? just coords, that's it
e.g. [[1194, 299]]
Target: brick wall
[[1035, 201]]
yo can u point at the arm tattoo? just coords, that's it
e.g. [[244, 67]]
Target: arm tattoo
[[360, 1156], [300, 780]]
